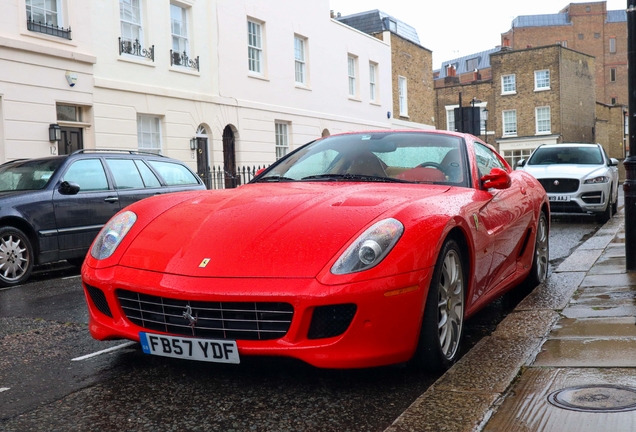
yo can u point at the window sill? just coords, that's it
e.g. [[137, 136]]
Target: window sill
[[544, 133], [542, 89], [258, 77], [510, 136], [302, 87], [406, 116], [354, 99], [375, 103], [185, 70], [136, 60], [509, 93]]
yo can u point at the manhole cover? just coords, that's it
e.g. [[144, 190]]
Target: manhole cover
[[595, 398]]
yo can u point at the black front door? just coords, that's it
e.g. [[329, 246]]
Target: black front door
[[229, 158], [71, 140]]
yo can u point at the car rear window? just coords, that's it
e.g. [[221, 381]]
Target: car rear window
[[174, 174]]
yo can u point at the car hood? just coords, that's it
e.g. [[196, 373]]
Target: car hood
[[565, 171], [263, 230]]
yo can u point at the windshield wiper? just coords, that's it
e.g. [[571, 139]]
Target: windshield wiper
[[275, 178], [353, 177]]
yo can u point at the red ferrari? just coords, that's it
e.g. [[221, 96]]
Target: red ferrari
[[355, 250]]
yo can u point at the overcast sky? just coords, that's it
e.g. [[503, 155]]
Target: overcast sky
[[457, 28]]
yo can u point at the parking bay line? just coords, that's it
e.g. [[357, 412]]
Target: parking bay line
[[3, 389], [95, 354]]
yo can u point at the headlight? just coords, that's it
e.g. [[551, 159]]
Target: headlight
[[112, 234], [599, 179], [370, 248]]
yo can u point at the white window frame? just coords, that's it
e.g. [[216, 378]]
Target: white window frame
[[46, 16], [255, 53], [542, 80], [450, 117], [180, 40], [352, 73], [403, 97], [300, 65], [373, 82], [543, 120], [149, 133], [508, 84], [514, 156], [510, 123], [282, 138], [131, 29]]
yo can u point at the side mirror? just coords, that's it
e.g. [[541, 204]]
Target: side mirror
[[69, 188], [259, 172], [613, 162], [497, 179], [521, 163]]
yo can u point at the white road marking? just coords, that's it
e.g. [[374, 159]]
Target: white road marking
[[2, 389], [95, 354], [71, 277]]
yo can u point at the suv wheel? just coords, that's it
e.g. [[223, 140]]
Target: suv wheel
[[16, 257]]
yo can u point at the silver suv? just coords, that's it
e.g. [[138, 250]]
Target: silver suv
[[579, 178]]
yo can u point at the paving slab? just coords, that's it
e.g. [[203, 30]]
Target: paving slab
[[621, 278], [592, 352], [580, 260], [527, 407], [586, 328]]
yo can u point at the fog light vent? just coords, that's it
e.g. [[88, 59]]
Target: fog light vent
[[330, 321]]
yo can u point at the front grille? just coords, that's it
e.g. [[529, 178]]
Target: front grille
[[565, 207], [214, 320], [330, 321], [563, 186], [99, 300]]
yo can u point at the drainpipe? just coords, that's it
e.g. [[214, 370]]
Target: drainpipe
[[629, 186]]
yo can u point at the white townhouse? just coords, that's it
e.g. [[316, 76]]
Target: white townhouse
[[225, 83]]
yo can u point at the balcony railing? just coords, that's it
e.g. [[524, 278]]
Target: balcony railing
[[182, 59], [135, 49], [48, 29]]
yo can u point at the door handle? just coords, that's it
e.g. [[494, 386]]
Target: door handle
[[111, 199]]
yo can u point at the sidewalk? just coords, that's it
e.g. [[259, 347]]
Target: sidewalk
[[564, 360]]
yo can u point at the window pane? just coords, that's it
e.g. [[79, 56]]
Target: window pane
[[88, 174], [173, 174], [125, 173]]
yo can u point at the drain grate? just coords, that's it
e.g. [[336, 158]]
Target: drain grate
[[595, 398]]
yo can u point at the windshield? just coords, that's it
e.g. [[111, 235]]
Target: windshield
[[566, 155], [384, 156], [27, 175]]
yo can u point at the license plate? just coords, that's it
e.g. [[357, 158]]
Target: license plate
[[561, 198], [210, 350]]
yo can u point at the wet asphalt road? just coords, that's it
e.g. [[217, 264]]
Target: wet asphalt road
[[43, 329]]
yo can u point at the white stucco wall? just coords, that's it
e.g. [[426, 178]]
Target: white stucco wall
[[32, 78]]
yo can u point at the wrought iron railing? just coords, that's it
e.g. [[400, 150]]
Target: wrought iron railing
[[218, 178], [48, 29], [182, 59], [135, 48]]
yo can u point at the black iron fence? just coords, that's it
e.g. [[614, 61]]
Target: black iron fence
[[218, 178], [48, 29]]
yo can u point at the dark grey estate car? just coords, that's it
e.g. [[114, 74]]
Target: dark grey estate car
[[52, 208]]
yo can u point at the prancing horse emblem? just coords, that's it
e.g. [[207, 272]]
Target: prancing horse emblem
[[188, 315]]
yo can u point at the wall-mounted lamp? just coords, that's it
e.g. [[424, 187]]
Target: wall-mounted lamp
[[484, 114], [388, 114], [193, 143], [55, 133]]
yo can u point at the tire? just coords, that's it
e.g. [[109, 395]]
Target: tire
[[443, 322], [540, 260], [608, 213], [16, 257]]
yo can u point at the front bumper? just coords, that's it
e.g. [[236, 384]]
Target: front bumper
[[590, 198], [384, 329]]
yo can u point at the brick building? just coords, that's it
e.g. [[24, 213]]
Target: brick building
[[411, 65], [585, 27], [533, 96]]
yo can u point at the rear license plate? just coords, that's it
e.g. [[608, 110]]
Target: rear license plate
[[210, 350], [563, 198]]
